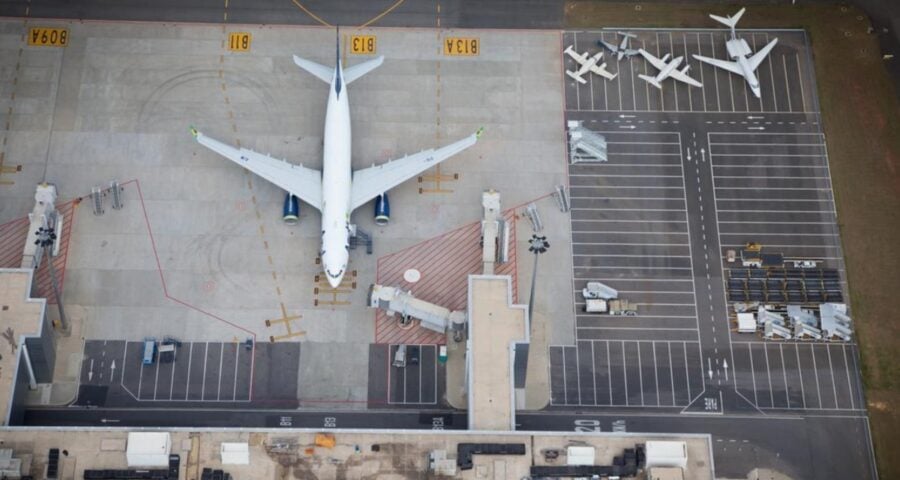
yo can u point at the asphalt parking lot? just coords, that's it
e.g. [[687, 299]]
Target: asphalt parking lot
[[203, 373], [417, 385], [691, 173]]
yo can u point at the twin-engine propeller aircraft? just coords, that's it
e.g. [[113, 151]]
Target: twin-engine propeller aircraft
[[336, 191], [738, 51], [587, 64], [621, 50], [667, 69]]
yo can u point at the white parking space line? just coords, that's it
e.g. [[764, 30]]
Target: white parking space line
[[787, 395], [609, 372], [800, 371], [187, 385], [833, 383], [847, 369], [800, 81], [787, 84], [769, 376], [205, 360]]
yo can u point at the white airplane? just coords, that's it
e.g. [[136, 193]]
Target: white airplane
[[621, 50], [336, 191], [738, 51], [667, 69], [587, 64]]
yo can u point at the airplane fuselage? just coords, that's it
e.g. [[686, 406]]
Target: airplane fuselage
[[749, 74], [336, 182], [664, 73]]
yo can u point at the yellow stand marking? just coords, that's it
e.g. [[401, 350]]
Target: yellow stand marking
[[286, 320], [437, 177], [348, 284]]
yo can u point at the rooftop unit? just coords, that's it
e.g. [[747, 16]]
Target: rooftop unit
[[772, 330]]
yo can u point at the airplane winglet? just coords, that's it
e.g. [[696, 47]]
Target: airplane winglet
[[194, 131], [479, 132]]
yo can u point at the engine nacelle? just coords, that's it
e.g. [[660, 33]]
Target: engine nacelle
[[382, 210], [291, 211]]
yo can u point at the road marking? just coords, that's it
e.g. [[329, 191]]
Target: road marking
[[671, 373], [687, 373], [640, 372], [787, 84], [594, 374], [565, 387], [237, 353], [625, 372], [800, 81], [655, 370], [609, 371]]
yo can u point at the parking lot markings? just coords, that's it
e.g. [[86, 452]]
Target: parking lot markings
[[671, 372], [849, 383], [156, 378], [833, 384], [594, 373], [237, 353], [787, 395], [609, 372], [769, 376]]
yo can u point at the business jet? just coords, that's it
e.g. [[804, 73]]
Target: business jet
[[738, 51], [336, 191], [621, 50], [667, 69], [587, 64]]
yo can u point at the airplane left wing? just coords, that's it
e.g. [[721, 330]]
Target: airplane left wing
[[683, 77], [370, 182], [304, 183], [657, 63]]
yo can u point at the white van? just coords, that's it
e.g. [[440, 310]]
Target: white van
[[400, 357]]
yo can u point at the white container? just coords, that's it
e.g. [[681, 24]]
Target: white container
[[235, 453], [148, 449], [666, 454]]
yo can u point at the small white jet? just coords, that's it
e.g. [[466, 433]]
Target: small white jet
[[587, 64], [621, 50], [336, 191], [738, 51], [667, 69]]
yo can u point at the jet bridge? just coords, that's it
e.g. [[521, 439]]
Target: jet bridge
[[395, 301]]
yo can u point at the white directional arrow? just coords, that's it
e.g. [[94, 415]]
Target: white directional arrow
[[703, 154], [631, 127], [688, 150], [112, 371], [756, 128], [725, 365], [752, 117], [709, 366], [109, 420], [626, 116], [91, 371]]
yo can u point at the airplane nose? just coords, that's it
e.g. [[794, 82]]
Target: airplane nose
[[334, 281]]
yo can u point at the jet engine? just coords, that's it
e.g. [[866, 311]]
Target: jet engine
[[382, 210], [291, 212]]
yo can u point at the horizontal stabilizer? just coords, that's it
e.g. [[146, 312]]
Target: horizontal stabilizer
[[326, 74], [356, 71], [730, 22]]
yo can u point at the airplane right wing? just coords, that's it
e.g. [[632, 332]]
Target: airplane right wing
[[657, 63], [682, 76], [609, 46], [580, 58], [304, 183], [370, 182], [603, 72], [723, 64]]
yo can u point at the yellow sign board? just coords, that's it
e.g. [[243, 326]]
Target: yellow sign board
[[362, 44], [239, 41], [456, 46], [48, 36]]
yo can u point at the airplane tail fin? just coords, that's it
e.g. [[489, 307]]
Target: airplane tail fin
[[729, 21], [650, 80]]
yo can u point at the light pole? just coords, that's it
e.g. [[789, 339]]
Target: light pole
[[46, 237], [537, 245]]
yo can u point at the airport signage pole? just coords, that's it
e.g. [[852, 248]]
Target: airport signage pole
[[537, 245], [46, 237]]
